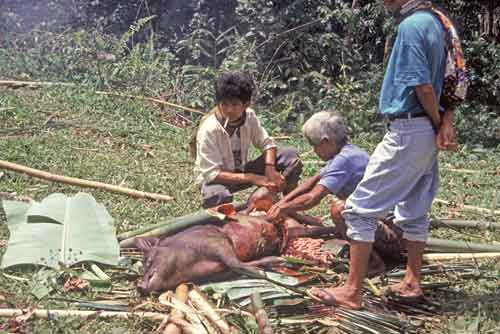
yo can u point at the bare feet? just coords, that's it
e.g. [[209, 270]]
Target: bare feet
[[343, 296], [406, 290]]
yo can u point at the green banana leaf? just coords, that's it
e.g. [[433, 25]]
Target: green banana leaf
[[239, 291], [59, 231]]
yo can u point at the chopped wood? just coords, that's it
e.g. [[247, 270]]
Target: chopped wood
[[203, 305], [183, 325], [190, 313], [176, 315], [82, 183], [49, 314], [458, 256]]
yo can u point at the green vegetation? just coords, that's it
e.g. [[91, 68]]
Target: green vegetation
[[333, 60]]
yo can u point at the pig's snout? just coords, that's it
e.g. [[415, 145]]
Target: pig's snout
[[142, 288], [149, 283]]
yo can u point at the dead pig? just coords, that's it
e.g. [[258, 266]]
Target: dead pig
[[199, 252]]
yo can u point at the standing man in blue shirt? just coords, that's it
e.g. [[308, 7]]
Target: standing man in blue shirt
[[403, 170]]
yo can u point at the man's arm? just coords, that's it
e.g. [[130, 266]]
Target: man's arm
[[270, 168], [305, 201], [428, 100], [303, 188], [446, 138], [224, 177]]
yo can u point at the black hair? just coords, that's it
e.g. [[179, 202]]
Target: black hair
[[232, 85]]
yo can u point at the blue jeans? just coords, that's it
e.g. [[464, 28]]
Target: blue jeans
[[402, 174]]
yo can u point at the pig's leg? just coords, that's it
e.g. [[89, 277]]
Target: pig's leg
[[267, 261], [306, 219], [310, 232]]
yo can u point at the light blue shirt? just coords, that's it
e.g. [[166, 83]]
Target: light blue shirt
[[343, 172], [418, 57]]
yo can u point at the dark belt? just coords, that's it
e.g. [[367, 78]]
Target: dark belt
[[407, 115]]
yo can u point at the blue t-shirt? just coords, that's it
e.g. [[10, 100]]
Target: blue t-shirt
[[418, 57], [343, 172]]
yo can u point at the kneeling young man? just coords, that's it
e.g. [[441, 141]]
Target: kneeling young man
[[222, 143]]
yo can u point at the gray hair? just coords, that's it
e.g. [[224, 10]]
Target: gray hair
[[325, 125]]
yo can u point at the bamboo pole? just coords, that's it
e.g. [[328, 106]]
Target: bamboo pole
[[176, 315], [82, 183], [458, 256], [470, 207], [208, 310], [193, 317], [34, 84], [171, 227], [260, 314], [159, 101], [482, 225], [15, 197], [20, 84], [460, 246], [47, 314]]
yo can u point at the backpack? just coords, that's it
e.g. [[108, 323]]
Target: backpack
[[456, 80]]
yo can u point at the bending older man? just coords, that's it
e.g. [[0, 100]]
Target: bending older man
[[326, 132]]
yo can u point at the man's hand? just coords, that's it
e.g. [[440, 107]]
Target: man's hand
[[446, 139], [264, 181], [274, 211], [275, 177]]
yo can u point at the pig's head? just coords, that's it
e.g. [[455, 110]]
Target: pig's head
[[159, 266]]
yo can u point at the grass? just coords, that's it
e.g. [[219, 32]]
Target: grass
[[74, 132]]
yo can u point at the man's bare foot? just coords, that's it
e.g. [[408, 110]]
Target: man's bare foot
[[345, 297], [406, 290]]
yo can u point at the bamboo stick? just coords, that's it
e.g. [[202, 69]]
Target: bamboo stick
[[20, 84], [460, 246], [470, 207], [171, 227], [181, 294], [15, 197], [46, 314], [260, 314], [159, 101], [482, 225], [458, 256], [82, 183], [33, 84], [190, 313], [203, 305]]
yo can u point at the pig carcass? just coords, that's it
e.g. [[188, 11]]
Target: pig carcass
[[200, 252]]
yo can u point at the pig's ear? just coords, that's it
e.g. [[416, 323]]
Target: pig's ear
[[146, 243]]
